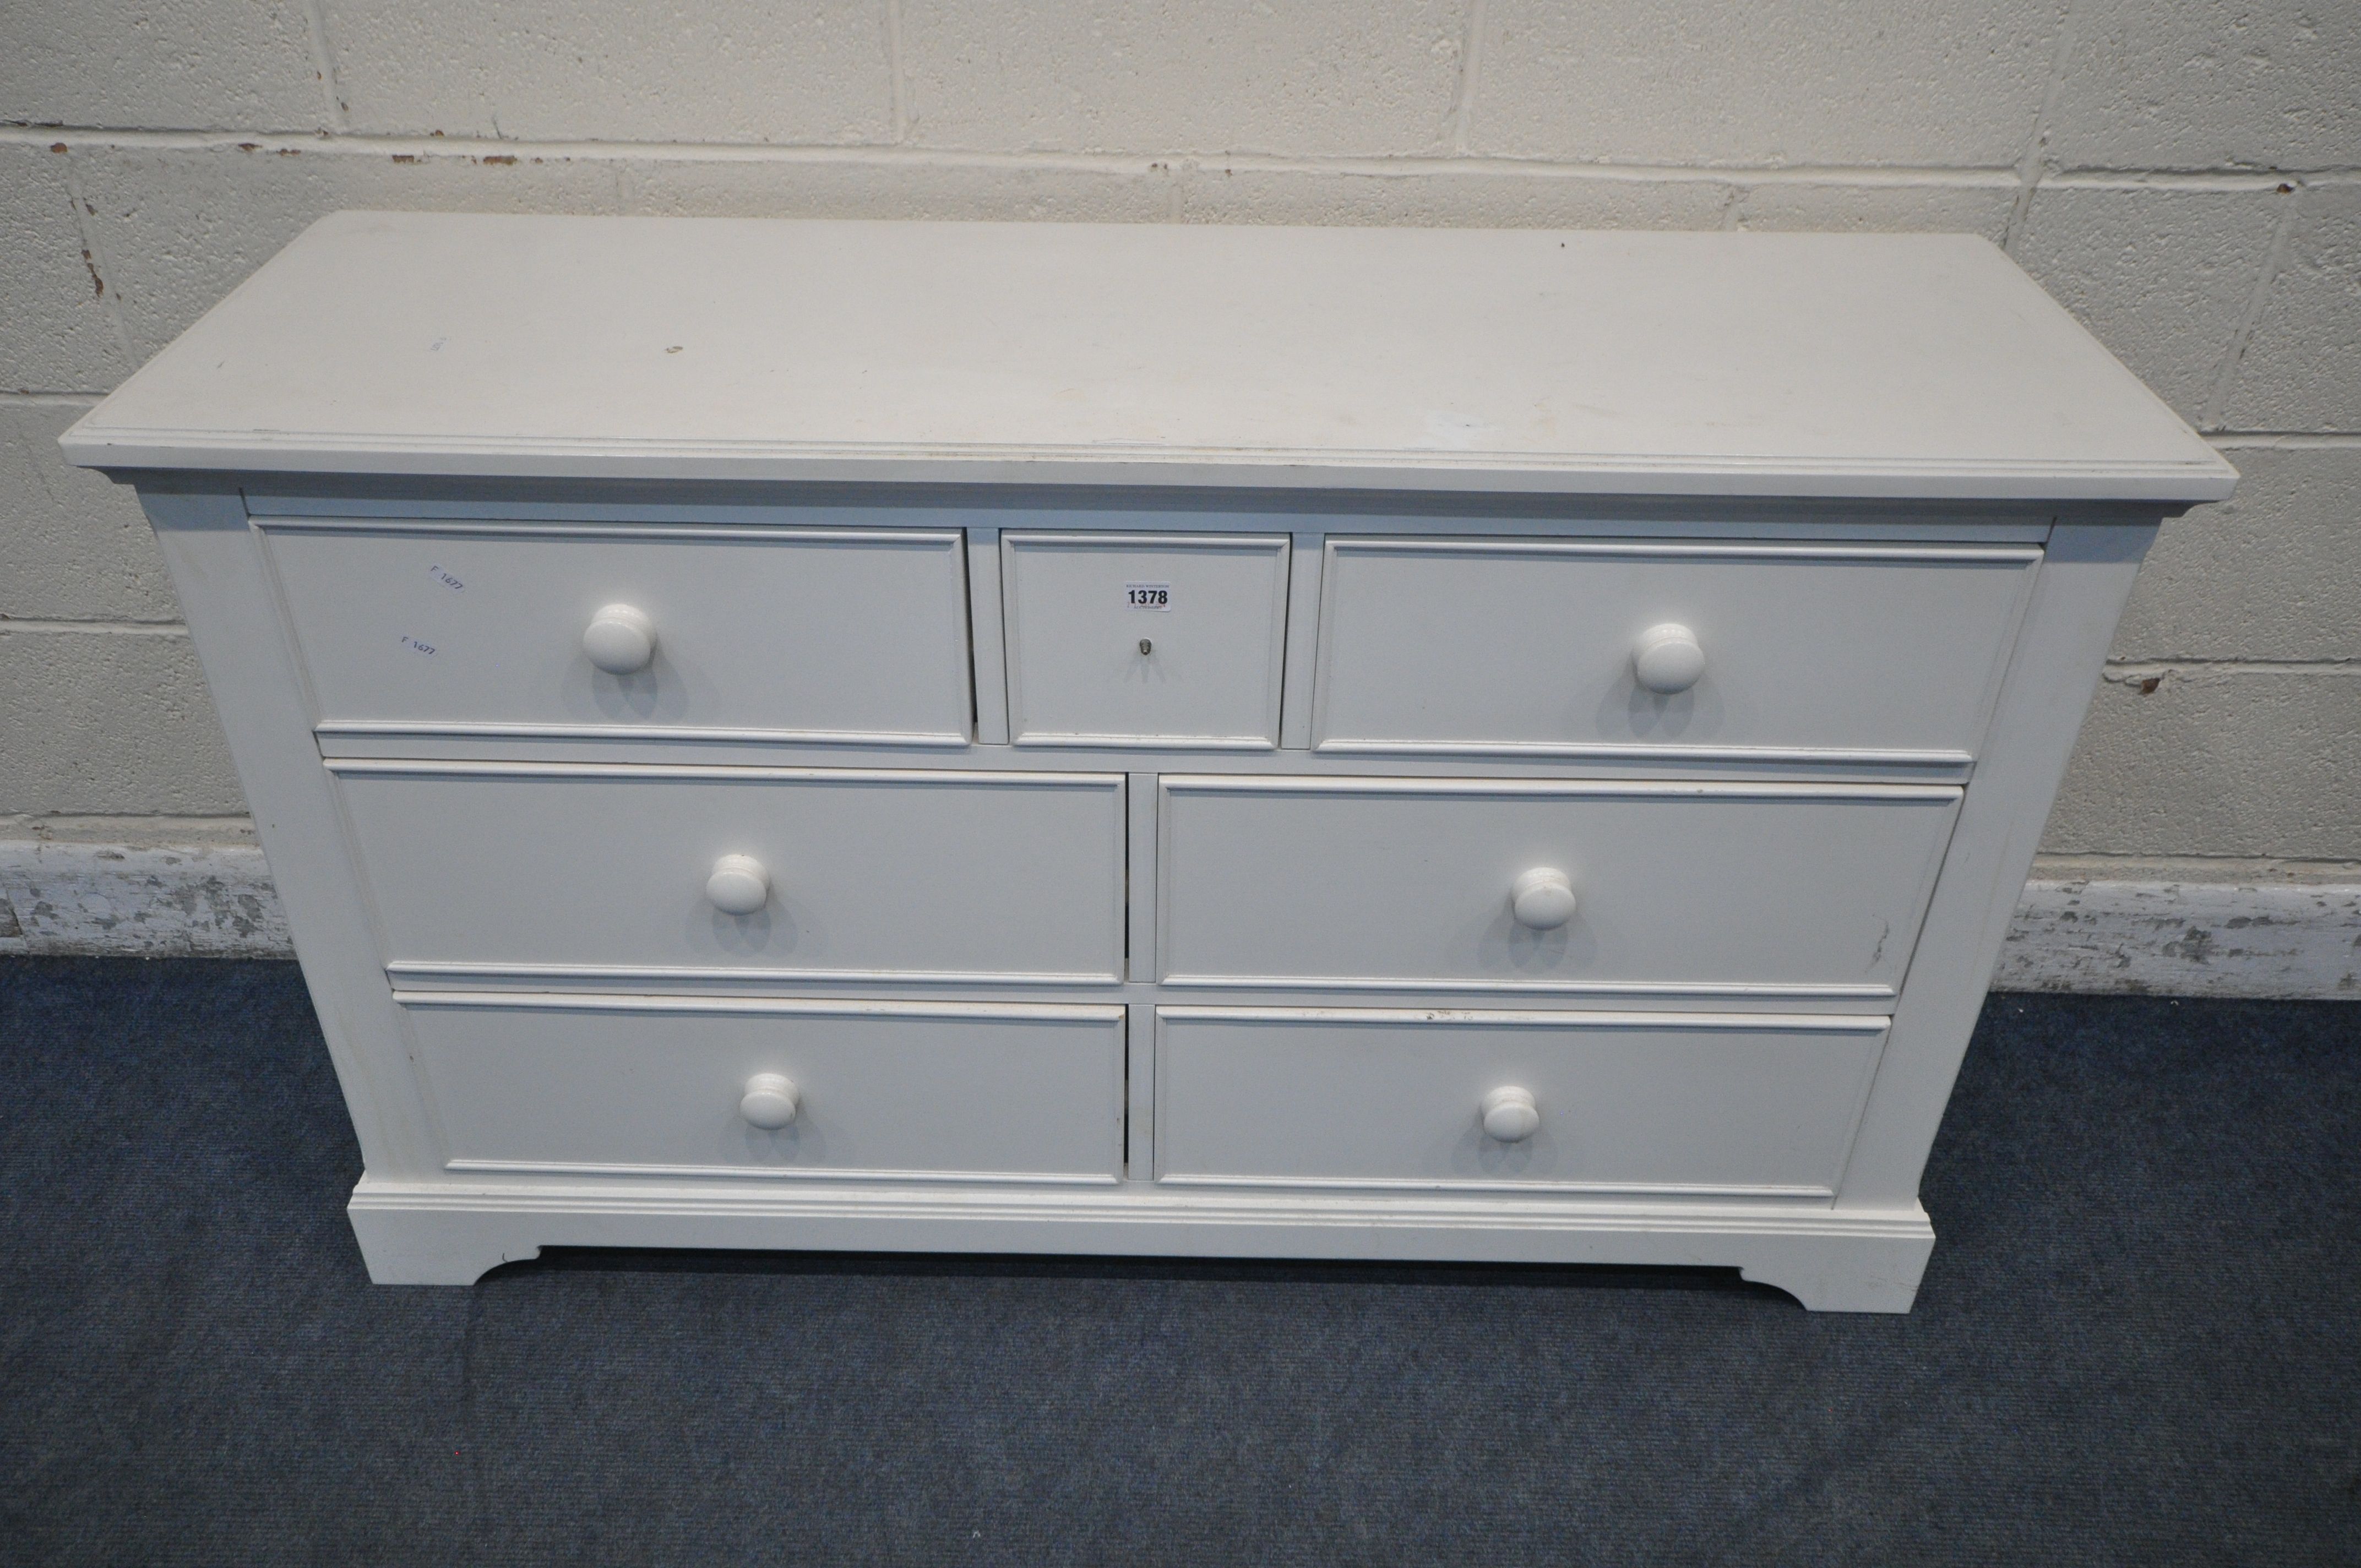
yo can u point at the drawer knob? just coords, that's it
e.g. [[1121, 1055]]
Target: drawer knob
[[738, 884], [1543, 898], [1511, 1115], [769, 1101], [1667, 658], [620, 638]]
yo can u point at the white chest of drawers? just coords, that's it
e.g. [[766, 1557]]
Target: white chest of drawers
[[1189, 741]]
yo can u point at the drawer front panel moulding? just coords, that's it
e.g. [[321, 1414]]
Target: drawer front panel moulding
[[522, 867], [1696, 1105], [1144, 640], [805, 635], [1768, 890], [868, 1091], [1801, 653]]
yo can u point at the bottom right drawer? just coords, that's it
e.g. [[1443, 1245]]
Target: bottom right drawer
[[1679, 1104]]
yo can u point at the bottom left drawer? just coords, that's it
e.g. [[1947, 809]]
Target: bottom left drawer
[[730, 1086]]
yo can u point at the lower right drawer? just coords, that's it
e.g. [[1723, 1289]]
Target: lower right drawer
[[1685, 1105]]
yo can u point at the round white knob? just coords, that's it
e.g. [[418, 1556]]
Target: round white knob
[[738, 884], [620, 638], [1667, 658], [1509, 1115], [769, 1101], [1543, 898]]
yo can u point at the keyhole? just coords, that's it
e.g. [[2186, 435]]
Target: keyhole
[[1145, 646]]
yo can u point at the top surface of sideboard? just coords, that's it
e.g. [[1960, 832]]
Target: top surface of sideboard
[[1918, 366]]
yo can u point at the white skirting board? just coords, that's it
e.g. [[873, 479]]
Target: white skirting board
[[207, 901], [2176, 939], [2186, 938]]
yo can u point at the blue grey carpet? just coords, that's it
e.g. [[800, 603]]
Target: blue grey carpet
[[2139, 1343]]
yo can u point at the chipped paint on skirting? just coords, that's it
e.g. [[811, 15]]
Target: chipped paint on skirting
[[210, 901], [2178, 938], [2186, 938]]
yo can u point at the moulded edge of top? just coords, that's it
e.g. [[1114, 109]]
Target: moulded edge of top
[[133, 449]]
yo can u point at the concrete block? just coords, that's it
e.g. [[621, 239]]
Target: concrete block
[[2274, 572], [77, 547], [2164, 277], [2302, 370], [1821, 81], [736, 70], [1208, 76], [2212, 760], [179, 65], [57, 331], [1832, 207], [1477, 197], [123, 722], [2261, 84]]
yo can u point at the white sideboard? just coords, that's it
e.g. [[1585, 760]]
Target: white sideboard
[[1174, 740]]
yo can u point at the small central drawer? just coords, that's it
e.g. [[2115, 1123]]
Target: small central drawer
[[599, 631], [1144, 640], [1676, 1104], [1410, 884], [740, 1086], [576, 871]]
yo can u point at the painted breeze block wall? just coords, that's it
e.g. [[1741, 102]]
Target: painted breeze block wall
[[2186, 177]]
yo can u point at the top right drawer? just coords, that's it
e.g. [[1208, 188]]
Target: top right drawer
[[1738, 652]]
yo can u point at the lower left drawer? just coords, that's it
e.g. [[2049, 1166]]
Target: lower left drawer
[[723, 1086]]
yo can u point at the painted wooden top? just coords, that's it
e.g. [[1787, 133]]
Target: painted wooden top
[[711, 348]]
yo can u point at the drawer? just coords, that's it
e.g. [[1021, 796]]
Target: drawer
[[589, 870], [1694, 1104], [1801, 653], [1768, 890], [811, 634], [1138, 640], [870, 1089]]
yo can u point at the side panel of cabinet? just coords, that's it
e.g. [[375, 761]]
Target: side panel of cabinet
[[226, 596]]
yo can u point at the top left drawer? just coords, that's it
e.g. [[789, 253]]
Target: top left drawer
[[486, 630]]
